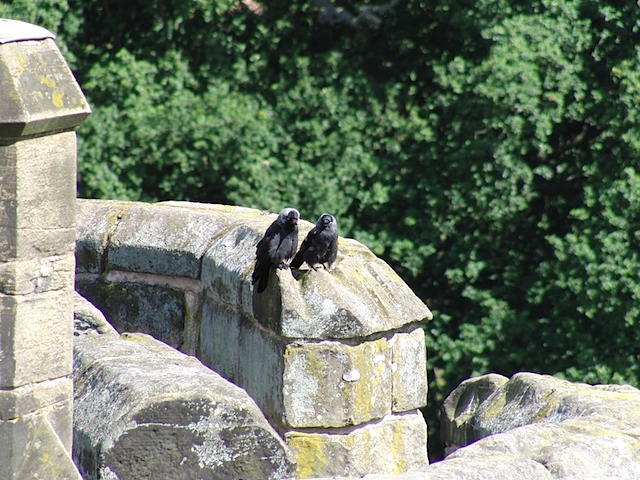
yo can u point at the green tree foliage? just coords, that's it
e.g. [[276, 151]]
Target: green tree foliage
[[488, 150]]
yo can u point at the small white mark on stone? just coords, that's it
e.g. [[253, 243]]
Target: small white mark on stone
[[352, 375]]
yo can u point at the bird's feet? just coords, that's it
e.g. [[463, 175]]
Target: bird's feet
[[283, 266]]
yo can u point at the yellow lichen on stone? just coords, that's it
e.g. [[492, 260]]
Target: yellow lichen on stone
[[371, 360], [398, 452], [57, 98], [49, 82], [19, 62], [496, 406], [547, 408], [310, 453]]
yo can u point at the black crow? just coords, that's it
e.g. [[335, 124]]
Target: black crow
[[320, 245], [278, 244]]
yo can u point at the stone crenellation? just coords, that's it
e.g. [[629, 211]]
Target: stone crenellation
[[335, 360]]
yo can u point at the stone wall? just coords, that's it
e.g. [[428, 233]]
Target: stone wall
[[335, 360], [40, 106], [547, 427], [144, 410]]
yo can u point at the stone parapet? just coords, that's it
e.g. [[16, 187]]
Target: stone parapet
[[541, 427], [333, 359], [145, 410], [40, 106]]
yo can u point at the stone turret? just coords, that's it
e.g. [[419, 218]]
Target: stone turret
[[40, 106], [335, 360]]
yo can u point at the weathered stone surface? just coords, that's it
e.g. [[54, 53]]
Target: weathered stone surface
[[227, 267], [250, 357], [96, 223], [408, 370], [37, 275], [39, 92], [36, 339], [32, 449], [33, 397], [322, 351], [139, 307], [305, 384], [50, 399], [144, 410], [88, 320], [40, 103], [395, 444], [485, 468], [462, 403], [165, 240], [574, 431], [330, 384], [38, 195], [362, 295]]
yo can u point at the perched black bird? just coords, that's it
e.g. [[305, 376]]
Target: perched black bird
[[320, 245], [278, 244]]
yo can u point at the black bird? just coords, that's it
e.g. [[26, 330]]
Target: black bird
[[320, 245], [278, 244]]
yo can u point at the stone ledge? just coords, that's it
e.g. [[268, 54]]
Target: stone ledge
[[144, 410], [361, 296], [570, 430]]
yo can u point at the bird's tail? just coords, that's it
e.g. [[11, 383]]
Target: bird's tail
[[263, 280], [297, 260]]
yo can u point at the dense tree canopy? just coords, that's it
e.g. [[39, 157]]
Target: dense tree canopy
[[488, 150]]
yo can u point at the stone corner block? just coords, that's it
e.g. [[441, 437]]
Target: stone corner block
[[88, 320], [391, 446], [95, 223], [37, 337], [33, 397], [330, 384], [227, 267], [40, 93], [462, 403], [38, 190], [37, 274], [251, 357], [409, 370]]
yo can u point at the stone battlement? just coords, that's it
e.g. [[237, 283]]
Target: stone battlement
[[336, 361]]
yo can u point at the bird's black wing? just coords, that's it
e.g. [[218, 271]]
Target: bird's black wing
[[298, 260], [263, 256], [332, 252]]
